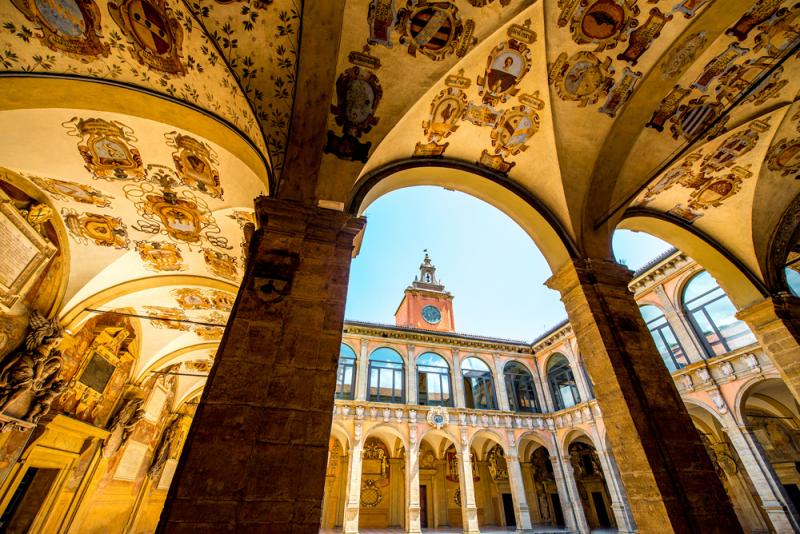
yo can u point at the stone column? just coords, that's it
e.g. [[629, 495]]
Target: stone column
[[458, 381], [256, 452], [773, 498], [352, 499], [619, 501], [411, 377], [668, 476], [502, 394], [775, 321], [362, 371], [469, 509], [574, 518], [686, 337], [517, 484], [412, 491]]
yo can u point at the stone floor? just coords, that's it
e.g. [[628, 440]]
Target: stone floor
[[484, 530]]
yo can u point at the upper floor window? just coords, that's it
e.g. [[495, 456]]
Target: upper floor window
[[520, 388], [478, 384], [664, 337], [433, 378], [346, 373], [713, 316], [562, 382], [386, 376]]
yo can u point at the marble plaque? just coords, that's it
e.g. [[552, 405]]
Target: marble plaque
[[167, 473], [131, 461], [154, 405]]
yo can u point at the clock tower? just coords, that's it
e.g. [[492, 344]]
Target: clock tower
[[426, 304]]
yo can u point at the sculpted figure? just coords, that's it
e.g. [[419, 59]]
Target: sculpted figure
[[43, 399], [36, 365], [122, 426], [165, 448]]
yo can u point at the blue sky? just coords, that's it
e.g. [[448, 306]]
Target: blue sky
[[492, 268]]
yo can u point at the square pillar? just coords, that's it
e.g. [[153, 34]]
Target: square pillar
[[668, 477], [352, 499], [502, 394], [411, 377], [458, 381], [255, 455], [362, 373], [775, 321], [571, 506], [518, 493], [412, 491], [469, 509], [619, 502]]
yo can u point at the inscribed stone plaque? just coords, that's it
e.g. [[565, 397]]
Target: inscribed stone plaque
[[18, 252], [167, 473], [97, 373], [152, 410], [131, 461]]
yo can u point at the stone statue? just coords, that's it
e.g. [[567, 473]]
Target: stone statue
[[34, 367], [43, 399], [122, 426], [171, 434]]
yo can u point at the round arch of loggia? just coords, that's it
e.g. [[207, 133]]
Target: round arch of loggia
[[496, 189], [740, 284]]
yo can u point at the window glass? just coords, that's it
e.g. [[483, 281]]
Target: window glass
[[433, 375], [386, 376], [562, 382], [664, 337], [478, 384], [520, 388], [346, 373], [792, 280]]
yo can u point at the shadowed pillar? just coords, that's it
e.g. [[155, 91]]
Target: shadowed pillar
[[255, 457], [668, 477]]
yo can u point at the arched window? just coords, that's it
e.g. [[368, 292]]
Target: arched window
[[519, 385], [386, 376], [478, 384], [792, 279], [666, 342], [346, 373], [562, 382], [433, 377], [713, 316]]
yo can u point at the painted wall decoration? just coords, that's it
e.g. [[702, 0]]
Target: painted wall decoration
[[159, 256], [447, 108], [107, 148], [73, 191], [642, 37], [603, 23], [513, 130], [358, 94], [155, 35], [221, 264], [506, 65], [381, 18], [683, 55], [196, 164], [100, 229], [191, 298], [582, 77], [208, 327], [71, 27], [434, 29], [761, 11], [784, 155]]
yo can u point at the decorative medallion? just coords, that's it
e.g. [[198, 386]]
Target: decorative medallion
[[438, 417], [482, 115], [358, 94], [68, 26], [103, 230], [66, 191], [495, 162], [603, 23], [733, 147], [761, 11], [434, 29], [158, 256], [153, 31], [194, 298], [370, 495], [642, 37], [740, 78], [683, 55], [180, 215], [582, 77], [667, 108], [381, 17], [780, 33], [169, 318], [507, 64], [106, 149], [221, 264], [208, 331], [695, 118], [514, 129], [784, 157], [718, 65], [717, 190], [666, 181], [447, 108], [621, 92], [195, 163]]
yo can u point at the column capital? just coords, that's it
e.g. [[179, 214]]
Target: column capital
[[781, 306], [589, 271]]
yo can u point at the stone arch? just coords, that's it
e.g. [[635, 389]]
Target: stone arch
[[784, 238], [531, 440], [744, 392], [381, 431], [445, 437], [176, 356], [339, 432], [488, 436], [544, 228]]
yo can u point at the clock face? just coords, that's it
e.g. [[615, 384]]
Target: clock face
[[431, 314]]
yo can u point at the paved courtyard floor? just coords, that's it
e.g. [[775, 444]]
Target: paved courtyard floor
[[484, 530]]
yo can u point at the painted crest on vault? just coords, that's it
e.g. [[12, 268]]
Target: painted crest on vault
[[514, 129], [695, 117], [784, 157], [68, 26], [434, 29], [581, 77], [603, 23], [153, 31], [107, 150], [221, 264], [447, 108], [195, 163], [381, 17], [102, 230], [160, 256], [507, 64], [358, 94], [73, 191]]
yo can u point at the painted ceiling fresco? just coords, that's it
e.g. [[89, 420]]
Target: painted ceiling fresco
[[154, 44]]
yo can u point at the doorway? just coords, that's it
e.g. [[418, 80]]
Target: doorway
[[557, 512], [600, 509], [508, 510], [423, 506], [20, 514]]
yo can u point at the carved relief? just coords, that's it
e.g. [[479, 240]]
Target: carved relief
[[123, 425]]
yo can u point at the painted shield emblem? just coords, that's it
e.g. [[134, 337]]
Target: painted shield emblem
[[431, 28], [62, 16], [603, 19], [273, 276], [149, 27]]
